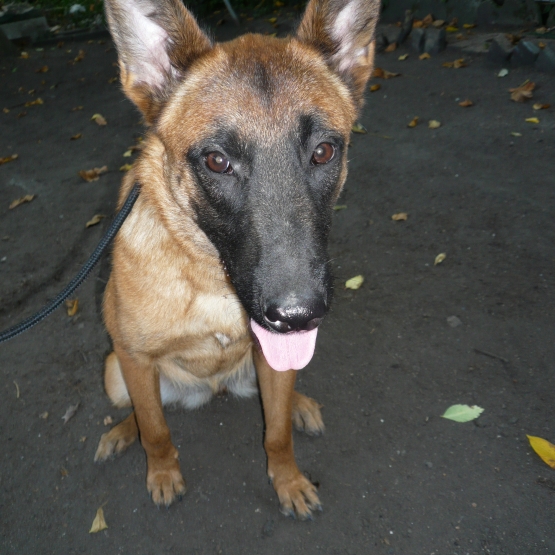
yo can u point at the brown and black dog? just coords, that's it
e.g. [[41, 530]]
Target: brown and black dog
[[221, 273]]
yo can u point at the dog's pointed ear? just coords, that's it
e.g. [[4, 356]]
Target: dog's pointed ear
[[157, 40], [343, 32]]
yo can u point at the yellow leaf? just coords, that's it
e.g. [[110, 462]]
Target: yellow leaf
[[99, 523], [516, 134], [400, 217], [359, 128], [434, 124], [127, 153], [413, 122], [541, 45], [403, 57], [272, 19], [18, 201], [424, 56], [36, 102], [125, 167], [72, 306], [469, 25], [532, 120], [440, 258], [99, 119], [451, 29], [94, 220], [544, 449], [355, 282], [375, 87], [7, 159]]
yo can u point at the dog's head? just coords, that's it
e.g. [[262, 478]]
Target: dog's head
[[255, 135]]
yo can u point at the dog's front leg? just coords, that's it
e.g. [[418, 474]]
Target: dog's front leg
[[164, 480], [296, 494]]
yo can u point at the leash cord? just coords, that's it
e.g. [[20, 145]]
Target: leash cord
[[83, 273]]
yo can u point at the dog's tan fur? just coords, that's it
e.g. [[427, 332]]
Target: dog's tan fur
[[178, 329]]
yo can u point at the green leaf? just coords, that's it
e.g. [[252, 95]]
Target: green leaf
[[462, 413]]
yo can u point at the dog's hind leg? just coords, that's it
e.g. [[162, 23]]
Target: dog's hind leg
[[118, 439], [306, 415]]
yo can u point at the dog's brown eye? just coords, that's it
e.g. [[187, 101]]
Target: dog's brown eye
[[218, 163], [323, 153]]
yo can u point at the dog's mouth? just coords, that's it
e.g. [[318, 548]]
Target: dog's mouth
[[286, 351]]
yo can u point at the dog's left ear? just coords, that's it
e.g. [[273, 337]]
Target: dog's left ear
[[343, 32], [157, 41]]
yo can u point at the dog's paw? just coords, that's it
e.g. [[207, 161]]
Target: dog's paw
[[306, 415], [117, 440], [165, 486], [298, 497]]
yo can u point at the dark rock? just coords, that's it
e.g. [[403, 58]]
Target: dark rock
[[546, 59], [436, 41], [406, 28], [500, 50], [417, 41], [525, 53], [27, 28], [6, 47]]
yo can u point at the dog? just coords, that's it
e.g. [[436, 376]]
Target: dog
[[220, 274]]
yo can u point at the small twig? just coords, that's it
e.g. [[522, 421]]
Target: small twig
[[16, 389], [491, 355]]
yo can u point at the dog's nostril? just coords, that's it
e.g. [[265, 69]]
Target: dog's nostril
[[294, 318]]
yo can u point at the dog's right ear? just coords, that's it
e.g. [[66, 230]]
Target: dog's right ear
[[157, 40]]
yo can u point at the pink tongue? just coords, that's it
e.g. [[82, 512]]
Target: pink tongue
[[286, 351]]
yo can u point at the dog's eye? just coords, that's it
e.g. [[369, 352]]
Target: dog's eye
[[323, 153], [218, 163]]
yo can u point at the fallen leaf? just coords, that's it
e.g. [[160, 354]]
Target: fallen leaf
[[544, 449], [64, 472], [460, 62], [99, 119], [503, 72], [108, 420], [378, 72], [113, 80], [17, 392], [339, 207], [7, 159], [440, 258], [21, 115], [541, 45], [462, 413], [384, 74], [99, 523], [375, 87], [75, 137], [413, 122], [43, 415], [77, 108], [428, 20], [524, 92], [80, 56], [24, 55], [70, 413], [125, 167], [272, 20], [451, 29], [82, 439], [438, 23], [94, 220], [403, 57], [22, 200], [43, 69], [36, 102], [541, 30], [359, 128], [434, 124], [516, 134], [469, 25], [391, 48], [466, 103], [532, 120], [6, 110], [424, 56], [540, 106], [355, 282], [72, 306], [400, 217], [417, 24], [94, 174]]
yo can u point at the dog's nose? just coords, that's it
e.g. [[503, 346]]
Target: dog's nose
[[297, 317]]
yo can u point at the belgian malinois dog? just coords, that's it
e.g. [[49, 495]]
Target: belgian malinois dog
[[221, 273]]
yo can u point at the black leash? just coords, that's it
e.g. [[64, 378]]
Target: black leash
[[83, 273]]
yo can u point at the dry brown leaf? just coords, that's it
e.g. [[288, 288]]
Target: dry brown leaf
[[403, 57], [378, 73], [99, 523], [375, 87], [21, 115], [428, 20], [99, 119], [36, 102], [113, 80], [22, 200], [400, 217], [434, 124], [76, 136], [79, 56], [440, 258], [70, 413], [93, 175], [417, 24], [413, 122], [43, 69], [94, 220], [390, 74], [466, 103], [6, 110], [77, 108], [524, 92], [540, 106], [72, 306], [455, 64], [125, 167], [424, 56], [7, 159], [391, 48]]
